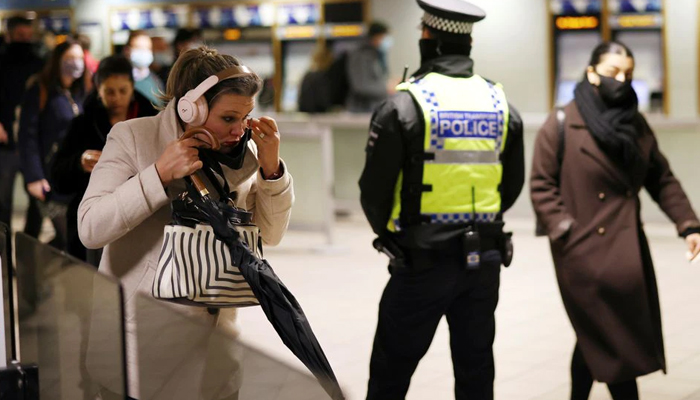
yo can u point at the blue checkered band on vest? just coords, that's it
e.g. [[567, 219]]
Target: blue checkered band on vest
[[462, 218], [501, 116], [435, 141], [455, 218], [447, 25]]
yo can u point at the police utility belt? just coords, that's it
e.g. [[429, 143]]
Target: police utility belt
[[473, 240]]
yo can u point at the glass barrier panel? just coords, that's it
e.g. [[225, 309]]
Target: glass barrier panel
[[71, 323], [186, 353], [7, 339]]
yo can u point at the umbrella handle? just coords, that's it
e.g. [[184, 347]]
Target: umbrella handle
[[214, 145]]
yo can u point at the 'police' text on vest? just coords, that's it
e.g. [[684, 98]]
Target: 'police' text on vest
[[468, 125]]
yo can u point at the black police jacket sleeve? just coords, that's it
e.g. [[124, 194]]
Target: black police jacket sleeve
[[513, 161], [384, 159]]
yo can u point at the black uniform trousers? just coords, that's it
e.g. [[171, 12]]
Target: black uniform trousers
[[413, 303]]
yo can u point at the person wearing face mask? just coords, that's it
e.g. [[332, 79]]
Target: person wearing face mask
[[113, 101], [368, 72], [139, 49], [590, 163], [18, 61], [141, 169], [445, 161], [54, 97]]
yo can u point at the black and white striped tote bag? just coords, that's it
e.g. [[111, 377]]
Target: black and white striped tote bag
[[195, 268]]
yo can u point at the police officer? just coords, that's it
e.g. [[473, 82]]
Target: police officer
[[444, 162]]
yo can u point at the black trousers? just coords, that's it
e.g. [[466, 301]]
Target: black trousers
[[414, 302], [582, 381]]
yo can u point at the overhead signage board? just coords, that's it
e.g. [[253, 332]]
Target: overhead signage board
[[298, 14], [635, 6], [34, 5], [241, 16], [149, 18], [575, 7]]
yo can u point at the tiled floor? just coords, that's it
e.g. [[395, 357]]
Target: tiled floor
[[340, 286]]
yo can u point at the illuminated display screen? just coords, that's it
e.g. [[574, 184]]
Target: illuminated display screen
[[232, 34], [345, 30], [297, 32], [639, 21], [577, 23]]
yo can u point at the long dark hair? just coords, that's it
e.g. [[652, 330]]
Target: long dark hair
[[51, 75], [611, 47]]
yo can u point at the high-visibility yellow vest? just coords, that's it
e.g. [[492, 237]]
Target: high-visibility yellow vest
[[466, 126]]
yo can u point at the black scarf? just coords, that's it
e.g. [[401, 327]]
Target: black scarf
[[235, 158], [614, 128]]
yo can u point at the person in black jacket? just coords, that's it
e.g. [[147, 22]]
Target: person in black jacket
[[314, 91], [18, 61], [114, 100], [444, 162], [52, 99]]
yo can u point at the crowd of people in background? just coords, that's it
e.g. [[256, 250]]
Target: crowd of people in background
[[356, 80], [57, 105]]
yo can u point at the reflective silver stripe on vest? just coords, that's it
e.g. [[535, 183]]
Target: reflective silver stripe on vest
[[464, 157]]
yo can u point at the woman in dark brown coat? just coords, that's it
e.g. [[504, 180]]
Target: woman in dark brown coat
[[589, 206]]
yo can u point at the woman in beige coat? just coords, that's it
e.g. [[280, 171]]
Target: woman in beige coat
[[127, 203]]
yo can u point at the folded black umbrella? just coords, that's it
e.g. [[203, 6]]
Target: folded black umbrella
[[279, 304]]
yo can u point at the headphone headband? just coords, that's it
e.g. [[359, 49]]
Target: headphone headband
[[235, 71], [192, 108]]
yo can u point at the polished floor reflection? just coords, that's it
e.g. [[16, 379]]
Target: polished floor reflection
[[340, 286]]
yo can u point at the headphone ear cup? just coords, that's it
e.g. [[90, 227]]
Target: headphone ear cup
[[186, 110], [201, 113]]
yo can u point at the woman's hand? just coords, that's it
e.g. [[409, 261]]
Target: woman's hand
[[266, 135], [179, 159], [693, 241], [89, 159], [38, 189]]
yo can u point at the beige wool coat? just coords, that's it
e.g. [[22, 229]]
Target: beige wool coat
[[125, 209]]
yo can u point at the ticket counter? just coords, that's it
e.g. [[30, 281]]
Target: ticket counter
[[576, 29]]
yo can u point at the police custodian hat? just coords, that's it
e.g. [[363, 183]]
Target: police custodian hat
[[451, 16]]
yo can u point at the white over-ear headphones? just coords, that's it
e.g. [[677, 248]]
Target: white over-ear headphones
[[192, 107]]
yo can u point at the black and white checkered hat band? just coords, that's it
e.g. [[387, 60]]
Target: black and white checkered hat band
[[446, 25]]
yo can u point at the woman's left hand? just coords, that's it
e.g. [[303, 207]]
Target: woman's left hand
[[266, 136], [693, 241]]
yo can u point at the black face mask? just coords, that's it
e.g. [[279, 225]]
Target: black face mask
[[433, 48], [615, 93], [428, 49], [235, 158]]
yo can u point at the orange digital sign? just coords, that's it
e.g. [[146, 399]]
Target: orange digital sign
[[346, 30], [638, 21], [298, 32], [577, 23], [232, 34]]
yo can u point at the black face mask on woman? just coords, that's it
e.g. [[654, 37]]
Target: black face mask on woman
[[615, 93]]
